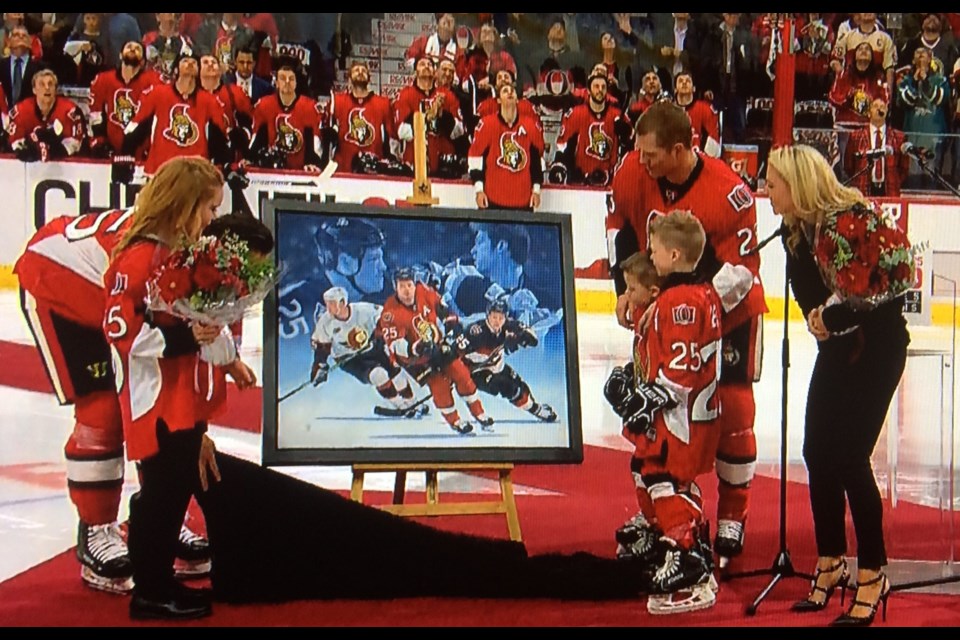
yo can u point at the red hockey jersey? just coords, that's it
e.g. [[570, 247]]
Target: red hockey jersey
[[182, 126], [595, 137], [706, 126], [681, 351], [508, 160], [412, 99], [716, 196], [113, 103], [64, 263], [291, 129], [364, 125], [157, 363], [404, 328], [64, 122]]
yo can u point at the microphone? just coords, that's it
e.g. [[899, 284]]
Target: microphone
[[919, 153], [874, 154], [760, 247]]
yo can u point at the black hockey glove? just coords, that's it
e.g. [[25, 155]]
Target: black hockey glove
[[619, 387], [27, 151], [642, 406], [319, 373], [122, 169]]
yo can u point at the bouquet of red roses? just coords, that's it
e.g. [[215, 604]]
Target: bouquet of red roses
[[865, 258], [213, 281]]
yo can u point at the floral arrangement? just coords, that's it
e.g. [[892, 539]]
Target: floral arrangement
[[213, 281], [864, 257]]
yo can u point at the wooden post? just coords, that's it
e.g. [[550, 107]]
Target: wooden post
[[422, 189], [432, 506]]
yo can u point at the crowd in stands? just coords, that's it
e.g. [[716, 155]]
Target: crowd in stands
[[280, 80]]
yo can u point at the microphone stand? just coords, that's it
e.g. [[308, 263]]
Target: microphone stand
[[868, 167], [923, 162], [782, 565]]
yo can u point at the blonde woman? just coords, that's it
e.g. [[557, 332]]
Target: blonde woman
[[860, 361], [167, 393]]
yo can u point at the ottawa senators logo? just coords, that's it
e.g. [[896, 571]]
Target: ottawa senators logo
[[223, 49], [601, 144], [358, 338], [860, 102], [360, 131], [182, 130], [289, 139], [124, 108], [556, 83], [512, 155], [426, 331]]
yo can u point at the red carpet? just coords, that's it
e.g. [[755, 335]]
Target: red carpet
[[596, 498]]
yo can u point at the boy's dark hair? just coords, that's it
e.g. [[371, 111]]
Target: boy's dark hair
[[641, 267], [256, 234]]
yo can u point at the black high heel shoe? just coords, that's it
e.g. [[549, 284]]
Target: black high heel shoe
[[808, 605], [848, 620]]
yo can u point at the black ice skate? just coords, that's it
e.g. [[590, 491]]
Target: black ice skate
[[462, 427], [729, 542], [486, 424], [637, 539], [104, 561], [193, 555], [544, 412], [679, 569]]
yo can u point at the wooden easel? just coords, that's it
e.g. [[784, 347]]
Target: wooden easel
[[433, 507], [422, 189]]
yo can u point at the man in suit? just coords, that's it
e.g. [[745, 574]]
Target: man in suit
[[17, 70], [874, 156], [254, 86], [729, 56]]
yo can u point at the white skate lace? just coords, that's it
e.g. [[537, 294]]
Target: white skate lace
[[188, 537], [671, 564], [104, 543], [730, 529]]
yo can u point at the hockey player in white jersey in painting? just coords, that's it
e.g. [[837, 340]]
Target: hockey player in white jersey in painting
[[346, 332]]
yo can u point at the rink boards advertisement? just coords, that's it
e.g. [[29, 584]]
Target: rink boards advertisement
[[524, 261]]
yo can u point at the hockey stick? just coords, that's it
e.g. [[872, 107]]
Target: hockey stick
[[336, 365], [389, 412]]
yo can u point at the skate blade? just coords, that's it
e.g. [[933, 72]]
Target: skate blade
[[119, 586], [185, 570], [698, 598]]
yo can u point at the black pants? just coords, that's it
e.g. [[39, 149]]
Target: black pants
[[167, 481], [854, 378], [275, 538]]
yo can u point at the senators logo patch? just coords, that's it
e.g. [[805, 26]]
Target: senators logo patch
[[684, 315], [740, 198], [358, 338], [289, 139], [360, 131], [182, 130], [512, 156], [124, 108], [601, 145]]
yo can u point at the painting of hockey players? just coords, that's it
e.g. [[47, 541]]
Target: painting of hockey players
[[423, 336]]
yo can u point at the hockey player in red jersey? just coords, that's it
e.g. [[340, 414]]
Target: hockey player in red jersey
[[179, 119], [115, 98], [704, 120], [45, 127], [665, 174], [667, 398], [443, 118], [505, 159], [288, 122], [237, 107], [413, 325], [591, 136], [361, 121]]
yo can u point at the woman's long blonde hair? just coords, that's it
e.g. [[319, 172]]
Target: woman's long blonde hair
[[813, 185], [166, 208]]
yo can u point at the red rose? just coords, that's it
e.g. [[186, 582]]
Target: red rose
[[854, 279], [852, 227], [826, 249], [173, 284], [903, 273], [871, 250], [207, 277], [235, 264]]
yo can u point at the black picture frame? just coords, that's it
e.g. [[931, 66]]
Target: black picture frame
[[334, 423]]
